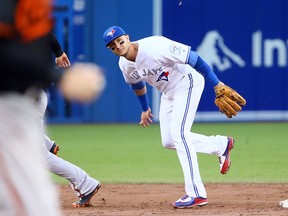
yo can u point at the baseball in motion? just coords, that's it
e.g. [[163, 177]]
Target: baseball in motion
[[82, 82]]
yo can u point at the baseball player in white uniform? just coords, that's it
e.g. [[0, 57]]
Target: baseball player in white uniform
[[84, 186], [177, 72]]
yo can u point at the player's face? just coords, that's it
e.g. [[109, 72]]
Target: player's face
[[120, 45]]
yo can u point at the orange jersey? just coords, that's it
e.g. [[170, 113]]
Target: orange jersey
[[32, 20]]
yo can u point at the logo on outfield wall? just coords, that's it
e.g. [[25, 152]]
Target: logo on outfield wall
[[265, 52], [217, 54]]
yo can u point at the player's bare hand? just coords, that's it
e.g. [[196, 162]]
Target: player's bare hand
[[62, 61], [146, 118]]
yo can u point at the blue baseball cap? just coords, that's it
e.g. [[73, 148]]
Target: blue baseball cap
[[112, 33]]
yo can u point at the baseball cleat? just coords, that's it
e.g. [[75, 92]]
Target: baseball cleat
[[54, 149], [225, 160], [189, 202], [84, 201]]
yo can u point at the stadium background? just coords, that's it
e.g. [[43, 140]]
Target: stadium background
[[249, 38], [255, 31]]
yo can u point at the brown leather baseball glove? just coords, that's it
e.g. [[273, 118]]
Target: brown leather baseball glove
[[228, 100]]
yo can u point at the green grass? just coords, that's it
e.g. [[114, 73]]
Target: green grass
[[128, 153]]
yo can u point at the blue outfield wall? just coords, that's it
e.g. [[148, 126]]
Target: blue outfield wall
[[245, 41], [117, 103]]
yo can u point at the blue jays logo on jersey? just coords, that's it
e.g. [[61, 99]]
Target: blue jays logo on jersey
[[163, 76], [111, 33]]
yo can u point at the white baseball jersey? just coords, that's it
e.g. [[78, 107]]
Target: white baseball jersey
[[162, 63], [158, 59]]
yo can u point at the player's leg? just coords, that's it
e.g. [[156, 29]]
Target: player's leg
[[82, 184], [25, 186], [51, 145], [41, 104], [203, 144], [209, 144], [179, 110], [48, 142], [165, 111], [185, 104], [217, 145], [80, 181]]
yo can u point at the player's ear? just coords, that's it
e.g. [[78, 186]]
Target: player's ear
[[128, 38]]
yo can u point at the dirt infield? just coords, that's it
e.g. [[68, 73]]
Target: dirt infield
[[155, 199]]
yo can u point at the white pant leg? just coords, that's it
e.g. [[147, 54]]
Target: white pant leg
[[41, 105], [215, 145], [79, 180], [166, 107], [48, 142], [25, 186], [183, 107], [203, 144]]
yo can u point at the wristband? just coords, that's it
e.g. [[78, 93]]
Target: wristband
[[143, 99]]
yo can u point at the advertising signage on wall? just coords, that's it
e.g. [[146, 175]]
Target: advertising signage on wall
[[246, 44], [264, 52]]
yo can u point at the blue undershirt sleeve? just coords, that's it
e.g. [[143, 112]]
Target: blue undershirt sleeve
[[202, 67], [136, 86]]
